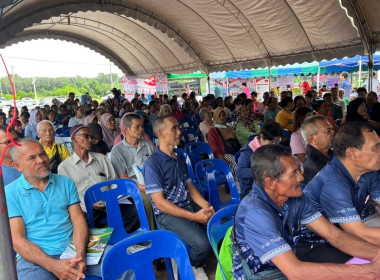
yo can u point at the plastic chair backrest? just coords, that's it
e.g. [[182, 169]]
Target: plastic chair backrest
[[189, 135], [197, 150], [159, 244], [114, 218], [218, 226], [191, 170], [63, 131], [212, 168], [286, 134]]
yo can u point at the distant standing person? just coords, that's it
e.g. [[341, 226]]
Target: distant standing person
[[218, 90], [245, 89], [345, 84], [375, 83]]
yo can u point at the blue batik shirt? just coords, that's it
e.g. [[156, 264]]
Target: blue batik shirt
[[339, 197], [264, 231], [163, 173]]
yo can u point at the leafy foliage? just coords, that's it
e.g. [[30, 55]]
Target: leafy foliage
[[60, 87]]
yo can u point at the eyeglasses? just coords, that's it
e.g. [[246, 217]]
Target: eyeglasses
[[86, 136]]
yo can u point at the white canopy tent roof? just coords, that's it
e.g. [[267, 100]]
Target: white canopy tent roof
[[160, 36]]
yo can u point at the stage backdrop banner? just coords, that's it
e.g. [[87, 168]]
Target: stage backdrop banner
[[179, 87], [262, 85], [129, 86]]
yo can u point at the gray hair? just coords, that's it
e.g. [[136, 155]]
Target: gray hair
[[309, 126], [265, 162], [42, 122], [159, 123], [203, 112], [127, 121], [14, 150]]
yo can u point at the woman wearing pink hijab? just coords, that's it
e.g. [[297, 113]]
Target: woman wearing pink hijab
[[121, 136], [108, 124]]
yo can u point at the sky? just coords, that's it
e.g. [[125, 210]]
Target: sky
[[54, 58]]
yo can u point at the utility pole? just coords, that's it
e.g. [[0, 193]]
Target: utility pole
[[7, 259], [13, 78], [34, 88], [111, 75]]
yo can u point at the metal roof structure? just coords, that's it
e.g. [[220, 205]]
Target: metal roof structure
[[180, 36]]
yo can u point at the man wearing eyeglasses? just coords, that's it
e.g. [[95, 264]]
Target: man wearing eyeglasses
[[341, 189], [87, 168], [9, 172], [317, 133]]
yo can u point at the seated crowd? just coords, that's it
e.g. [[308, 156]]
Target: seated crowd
[[307, 167]]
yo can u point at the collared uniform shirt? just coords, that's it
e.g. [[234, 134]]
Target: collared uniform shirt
[[339, 198], [264, 231], [98, 169], [45, 214], [123, 156], [62, 151], [163, 173], [9, 174]]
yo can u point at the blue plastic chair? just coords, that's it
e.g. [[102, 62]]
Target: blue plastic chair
[[203, 191], [186, 132], [217, 228], [212, 168], [63, 131], [163, 244], [124, 187], [286, 135], [197, 150]]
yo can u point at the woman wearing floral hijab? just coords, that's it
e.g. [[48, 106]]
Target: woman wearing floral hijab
[[108, 124], [246, 125]]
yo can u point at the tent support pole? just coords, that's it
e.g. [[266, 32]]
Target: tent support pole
[[360, 71], [318, 77], [370, 70], [7, 260], [269, 77], [208, 89]]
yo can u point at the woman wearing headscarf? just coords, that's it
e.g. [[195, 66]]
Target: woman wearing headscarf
[[31, 127], [357, 110], [246, 125], [98, 144], [121, 136], [108, 124], [90, 119], [17, 128], [222, 139]]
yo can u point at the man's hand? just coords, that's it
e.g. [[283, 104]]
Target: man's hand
[[66, 269], [141, 187], [80, 265], [209, 208], [203, 215]]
